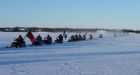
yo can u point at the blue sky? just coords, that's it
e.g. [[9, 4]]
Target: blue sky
[[71, 13]]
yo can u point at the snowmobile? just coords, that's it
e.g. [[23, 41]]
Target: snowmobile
[[17, 44], [73, 38], [58, 40], [90, 36], [84, 37], [100, 36], [37, 43], [46, 41]]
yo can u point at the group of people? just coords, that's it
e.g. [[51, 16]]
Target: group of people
[[19, 41], [120, 34], [40, 41], [77, 37]]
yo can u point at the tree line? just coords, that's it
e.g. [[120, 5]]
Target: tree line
[[45, 29]]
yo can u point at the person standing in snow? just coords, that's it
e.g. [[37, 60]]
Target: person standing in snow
[[30, 36], [115, 35], [65, 35]]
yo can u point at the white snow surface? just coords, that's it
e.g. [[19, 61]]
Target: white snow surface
[[107, 56]]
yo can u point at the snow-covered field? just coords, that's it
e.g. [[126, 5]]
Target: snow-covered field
[[106, 56]]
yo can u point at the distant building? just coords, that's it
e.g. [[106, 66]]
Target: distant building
[[8, 29], [22, 29]]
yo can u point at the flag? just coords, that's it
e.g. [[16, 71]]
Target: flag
[[65, 35], [30, 36]]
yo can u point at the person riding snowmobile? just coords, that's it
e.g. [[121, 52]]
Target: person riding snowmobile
[[72, 39], [100, 36], [84, 37], [38, 40], [48, 40], [59, 39], [18, 42], [90, 36]]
